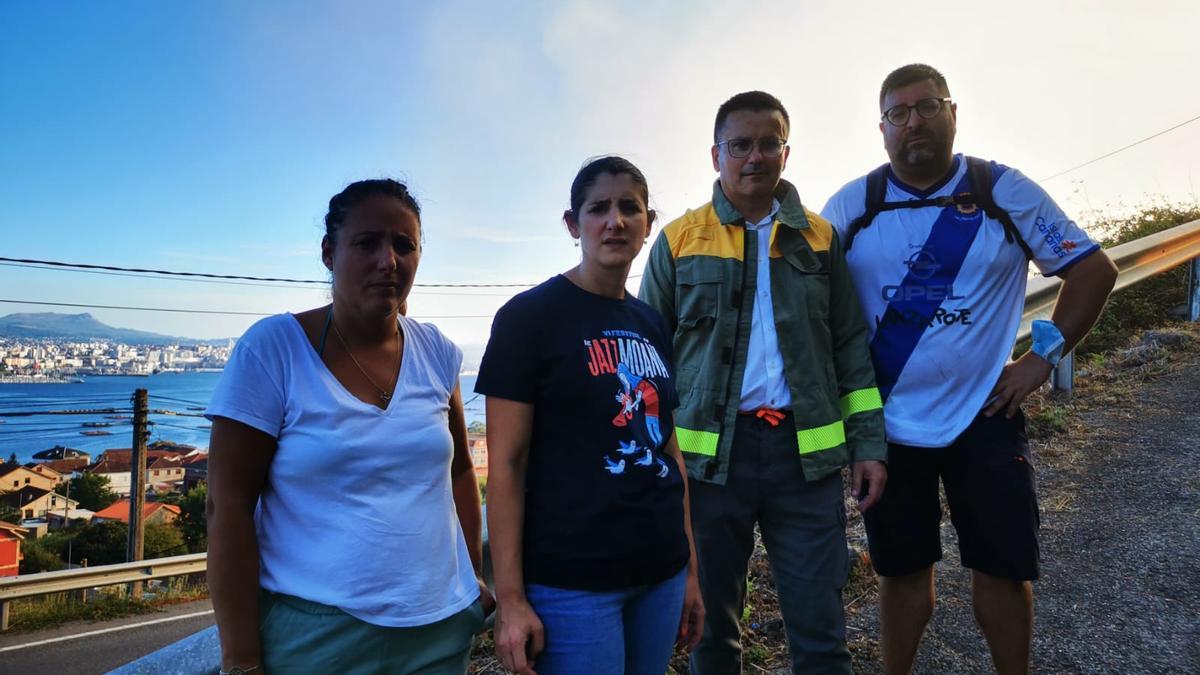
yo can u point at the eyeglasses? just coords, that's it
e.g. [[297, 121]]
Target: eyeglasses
[[770, 147], [927, 108]]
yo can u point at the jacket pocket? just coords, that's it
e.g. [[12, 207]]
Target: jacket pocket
[[812, 274], [699, 289]]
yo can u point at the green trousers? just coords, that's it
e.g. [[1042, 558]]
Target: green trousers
[[299, 636]]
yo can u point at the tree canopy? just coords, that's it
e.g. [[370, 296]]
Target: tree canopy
[[92, 491]]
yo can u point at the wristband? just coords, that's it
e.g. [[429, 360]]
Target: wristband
[[1048, 341]]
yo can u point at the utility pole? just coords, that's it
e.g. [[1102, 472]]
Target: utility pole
[[137, 495], [67, 520]]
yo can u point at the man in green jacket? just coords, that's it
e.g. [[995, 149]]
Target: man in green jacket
[[776, 388]]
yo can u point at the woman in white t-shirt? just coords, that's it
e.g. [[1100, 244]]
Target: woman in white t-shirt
[[343, 514]]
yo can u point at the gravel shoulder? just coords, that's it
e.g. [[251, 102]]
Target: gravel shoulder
[[1120, 496], [1118, 467]]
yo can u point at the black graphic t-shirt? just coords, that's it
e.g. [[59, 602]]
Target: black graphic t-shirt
[[603, 502]]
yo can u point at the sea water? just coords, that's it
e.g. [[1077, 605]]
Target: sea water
[[177, 402]]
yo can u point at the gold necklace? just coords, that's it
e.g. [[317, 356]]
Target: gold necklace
[[384, 395]]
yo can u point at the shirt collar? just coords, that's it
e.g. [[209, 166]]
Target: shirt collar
[[791, 210]]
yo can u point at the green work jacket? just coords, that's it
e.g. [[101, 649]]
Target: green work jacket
[[701, 277]]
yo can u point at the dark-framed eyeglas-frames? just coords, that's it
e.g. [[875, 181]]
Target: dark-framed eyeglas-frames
[[770, 147], [927, 108]]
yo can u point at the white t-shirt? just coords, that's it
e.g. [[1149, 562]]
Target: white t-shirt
[[943, 292], [357, 511]]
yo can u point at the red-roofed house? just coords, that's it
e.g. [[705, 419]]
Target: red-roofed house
[[13, 477], [477, 444], [125, 455], [153, 512], [119, 477], [34, 502], [165, 470], [43, 470], [10, 548], [195, 469], [66, 467]]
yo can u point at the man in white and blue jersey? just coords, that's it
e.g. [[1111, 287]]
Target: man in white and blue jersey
[[939, 245]]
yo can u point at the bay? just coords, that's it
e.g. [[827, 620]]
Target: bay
[[177, 402]]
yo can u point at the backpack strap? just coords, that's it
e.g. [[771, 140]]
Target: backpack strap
[[979, 172], [876, 192]]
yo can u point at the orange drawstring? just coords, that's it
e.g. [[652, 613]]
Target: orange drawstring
[[772, 417]]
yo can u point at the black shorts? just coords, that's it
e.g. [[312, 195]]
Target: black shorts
[[991, 489]]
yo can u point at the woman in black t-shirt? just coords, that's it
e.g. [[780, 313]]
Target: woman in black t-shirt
[[587, 494]]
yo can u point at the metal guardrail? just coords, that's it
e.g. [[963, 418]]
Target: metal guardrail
[[30, 585], [1135, 261]]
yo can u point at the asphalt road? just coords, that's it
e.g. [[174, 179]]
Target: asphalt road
[[126, 639]]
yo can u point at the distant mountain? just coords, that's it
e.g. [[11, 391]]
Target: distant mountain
[[83, 327]]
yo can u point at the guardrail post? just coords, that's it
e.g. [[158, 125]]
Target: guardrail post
[[1194, 290], [1062, 379], [4, 614]]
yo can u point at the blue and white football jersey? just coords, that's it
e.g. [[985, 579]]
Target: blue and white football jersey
[[943, 292]]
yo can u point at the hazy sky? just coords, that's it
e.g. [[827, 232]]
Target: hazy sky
[[209, 136]]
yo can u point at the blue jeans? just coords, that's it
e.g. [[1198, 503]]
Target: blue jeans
[[629, 631]]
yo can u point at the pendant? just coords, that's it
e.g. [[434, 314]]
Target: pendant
[[385, 396]]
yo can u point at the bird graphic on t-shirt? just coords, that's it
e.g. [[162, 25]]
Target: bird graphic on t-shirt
[[628, 448], [632, 448], [614, 467], [662, 468]]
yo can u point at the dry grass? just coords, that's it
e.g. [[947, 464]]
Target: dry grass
[[1060, 436], [1059, 423], [109, 602]]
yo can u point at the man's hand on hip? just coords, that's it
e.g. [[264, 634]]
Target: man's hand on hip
[[1018, 380]]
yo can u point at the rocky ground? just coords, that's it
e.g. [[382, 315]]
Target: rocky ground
[[1119, 483]]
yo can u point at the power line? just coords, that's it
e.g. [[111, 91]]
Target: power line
[[1110, 154], [207, 275], [64, 424], [143, 276], [174, 413], [180, 426], [140, 309], [285, 286], [61, 401], [184, 401], [91, 411], [206, 311]]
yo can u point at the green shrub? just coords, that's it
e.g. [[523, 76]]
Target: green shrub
[[55, 609], [160, 540], [102, 543], [37, 558], [1148, 303]]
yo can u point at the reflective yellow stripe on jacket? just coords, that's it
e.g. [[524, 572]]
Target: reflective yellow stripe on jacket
[[697, 442], [807, 440], [861, 400]]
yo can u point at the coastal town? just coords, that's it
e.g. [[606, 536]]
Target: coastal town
[[66, 490], [33, 360]]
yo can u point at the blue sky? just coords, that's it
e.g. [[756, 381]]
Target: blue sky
[[209, 136]]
